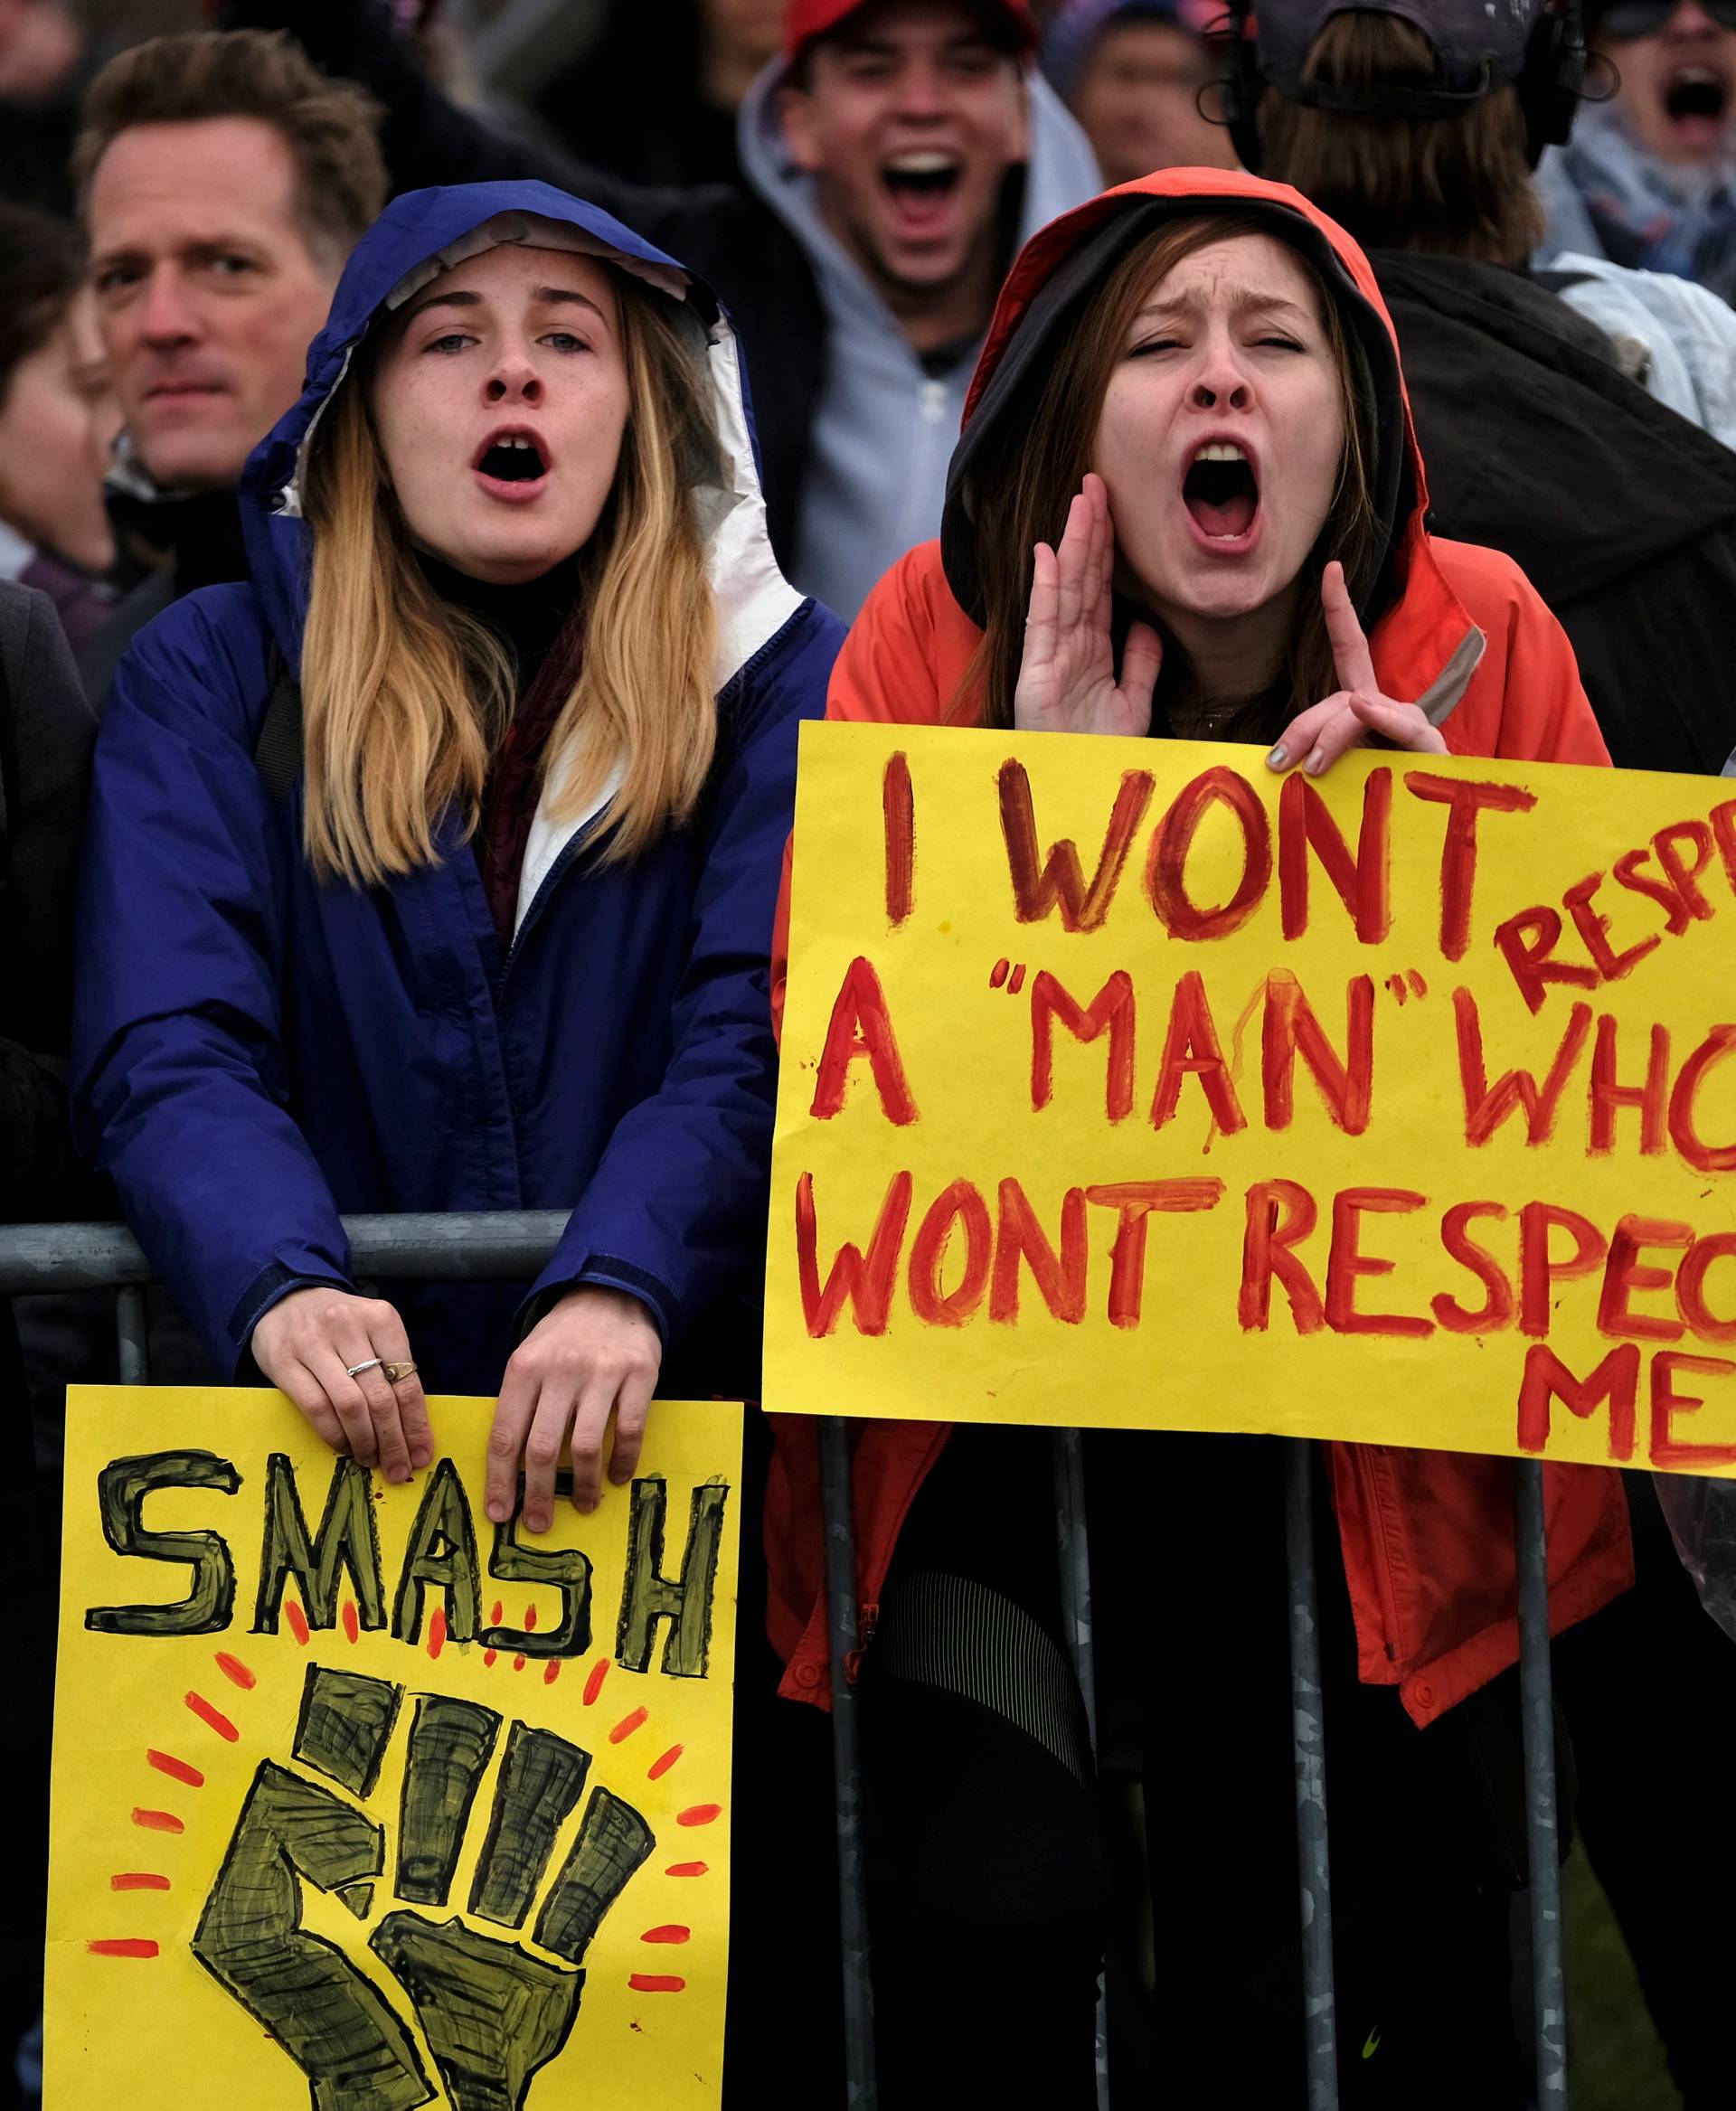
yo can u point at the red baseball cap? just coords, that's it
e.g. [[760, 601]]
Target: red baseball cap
[[809, 19]]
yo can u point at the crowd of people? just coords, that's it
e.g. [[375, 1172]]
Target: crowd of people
[[426, 517]]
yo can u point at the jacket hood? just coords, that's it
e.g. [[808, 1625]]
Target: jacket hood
[[425, 232], [1060, 268]]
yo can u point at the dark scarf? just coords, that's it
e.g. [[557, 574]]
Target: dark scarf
[[541, 625]]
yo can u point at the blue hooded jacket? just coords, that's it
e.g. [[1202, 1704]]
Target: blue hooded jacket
[[256, 1052]]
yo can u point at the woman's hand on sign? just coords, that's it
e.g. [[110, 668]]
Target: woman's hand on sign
[[309, 1342], [1319, 736], [594, 1355], [1067, 681]]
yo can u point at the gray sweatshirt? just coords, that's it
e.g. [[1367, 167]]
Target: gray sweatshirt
[[883, 431]]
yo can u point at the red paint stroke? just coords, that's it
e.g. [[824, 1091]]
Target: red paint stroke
[[659, 1768], [898, 810], [998, 973], [1017, 981], [670, 1932], [1417, 983], [437, 1631], [351, 1625], [298, 1621], [530, 1619], [177, 1769], [158, 1821], [495, 1618], [700, 1814], [688, 1869], [132, 1946], [650, 1982], [594, 1683], [488, 1656], [236, 1671], [518, 1664], [862, 1025], [552, 1670], [627, 1725], [137, 1880], [215, 1717]]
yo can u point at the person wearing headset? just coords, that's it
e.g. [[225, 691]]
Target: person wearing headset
[[1623, 515], [1621, 511]]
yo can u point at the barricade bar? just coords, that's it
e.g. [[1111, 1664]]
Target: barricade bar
[[1319, 2008], [1542, 1821], [844, 1620], [1073, 1550], [481, 1246], [132, 1335], [505, 1245]]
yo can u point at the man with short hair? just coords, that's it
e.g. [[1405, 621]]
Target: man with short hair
[[895, 155], [886, 145], [1621, 512], [224, 182], [1649, 179]]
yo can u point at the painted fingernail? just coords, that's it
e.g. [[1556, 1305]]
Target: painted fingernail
[[1316, 763], [1279, 757]]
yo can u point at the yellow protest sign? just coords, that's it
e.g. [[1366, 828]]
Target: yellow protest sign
[[354, 1791], [1124, 1082]]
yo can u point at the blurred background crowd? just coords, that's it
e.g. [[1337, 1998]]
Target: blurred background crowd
[[653, 98], [1558, 259]]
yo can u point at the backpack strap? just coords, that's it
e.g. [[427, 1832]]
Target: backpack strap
[[276, 753]]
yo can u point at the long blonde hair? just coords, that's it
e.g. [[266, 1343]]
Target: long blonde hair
[[404, 697]]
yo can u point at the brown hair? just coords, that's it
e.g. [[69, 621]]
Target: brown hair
[[42, 267], [1026, 484], [332, 128], [1457, 187], [405, 696]]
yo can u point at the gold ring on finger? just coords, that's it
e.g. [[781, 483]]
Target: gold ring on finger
[[397, 1372]]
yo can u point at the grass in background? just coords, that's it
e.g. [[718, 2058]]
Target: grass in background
[[1615, 2060]]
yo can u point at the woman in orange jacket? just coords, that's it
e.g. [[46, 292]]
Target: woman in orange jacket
[[1188, 502]]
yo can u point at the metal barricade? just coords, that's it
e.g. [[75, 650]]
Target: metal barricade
[[503, 1246], [1549, 2020]]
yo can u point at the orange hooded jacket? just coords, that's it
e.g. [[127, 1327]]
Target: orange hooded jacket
[[1427, 1536]]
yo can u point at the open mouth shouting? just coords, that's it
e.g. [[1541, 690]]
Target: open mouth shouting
[[1220, 491], [1696, 102], [513, 465], [921, 186]]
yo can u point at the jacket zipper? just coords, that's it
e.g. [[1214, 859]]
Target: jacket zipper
[[582, 834], [867, 1620], [552, 879], [1364, 1456]]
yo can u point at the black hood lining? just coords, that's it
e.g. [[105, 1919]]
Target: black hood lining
[[1012, 391]]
